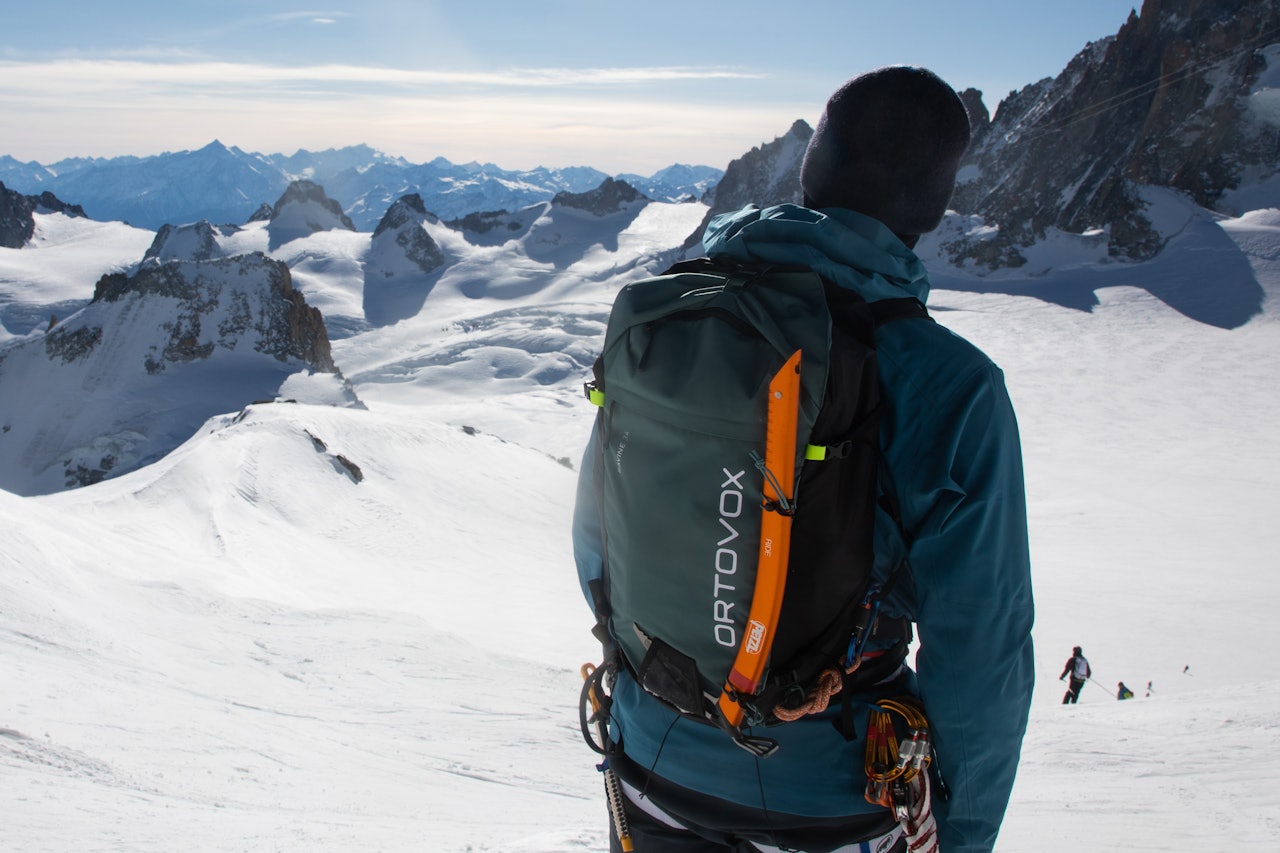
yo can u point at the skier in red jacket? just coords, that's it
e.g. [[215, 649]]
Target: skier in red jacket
[[1078, 668]]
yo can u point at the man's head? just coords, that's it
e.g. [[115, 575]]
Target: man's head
[[888, 146], [1078, 650]]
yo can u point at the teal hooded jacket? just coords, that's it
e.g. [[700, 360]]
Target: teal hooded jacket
[[950, 441]]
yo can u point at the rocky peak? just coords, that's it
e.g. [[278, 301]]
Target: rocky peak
[[262, 214], [1168, 101], [404, 210], [484, 221], [303, 210], [979, 117], [610, 197], [198, 241], [220, 304], [17, 214], [766, 175], [124, 380], [402, 257]]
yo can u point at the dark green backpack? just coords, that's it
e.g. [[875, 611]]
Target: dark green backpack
[[682, 382]]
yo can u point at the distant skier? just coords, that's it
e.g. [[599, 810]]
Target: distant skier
[[1078, 668], [1124, 692]]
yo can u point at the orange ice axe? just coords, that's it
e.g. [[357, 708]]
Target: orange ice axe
[[775, 539]]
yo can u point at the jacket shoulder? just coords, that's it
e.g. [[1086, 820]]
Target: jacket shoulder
[[930, 360]]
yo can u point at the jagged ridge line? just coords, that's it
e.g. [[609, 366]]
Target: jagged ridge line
[[1141, 90]]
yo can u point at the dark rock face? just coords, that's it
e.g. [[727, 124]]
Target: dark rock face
[[979, 117], [406, 209], [402, 257], [262, 214], [156, 353], [16, 222], [403, 224], [610, 197], [279, 321], [1165, 102], [303, 210], [47, 202], [309, 192], [306, 192], [68, 346], [485, 221], [17, 214], [495, 227], [303, 333], [766, 175]]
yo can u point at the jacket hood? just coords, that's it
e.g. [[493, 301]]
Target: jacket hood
[[843, 246]]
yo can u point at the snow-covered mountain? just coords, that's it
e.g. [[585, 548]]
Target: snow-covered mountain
[[227, 185], [1184, 97], [403, 262], [120, 383], [676, 183], [210, 319], [303, 210], [338, 626], [323, 627]]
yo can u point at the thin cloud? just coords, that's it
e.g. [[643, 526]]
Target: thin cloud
[[131, 74], [621, 119]]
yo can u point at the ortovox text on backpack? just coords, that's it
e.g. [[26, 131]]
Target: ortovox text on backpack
[[737, 481]]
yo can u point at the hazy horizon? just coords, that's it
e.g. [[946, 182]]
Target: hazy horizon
[[561, 84]]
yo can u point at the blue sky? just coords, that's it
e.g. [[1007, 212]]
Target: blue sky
[[623, 87]]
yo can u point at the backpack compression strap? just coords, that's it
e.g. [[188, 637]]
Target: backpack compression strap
[[779, 469]]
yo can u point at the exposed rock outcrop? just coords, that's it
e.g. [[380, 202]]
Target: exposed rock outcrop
[[402, 259], [221, 302], [766, 175], [198, 241], [1172, 100], [303, 210], [17, 214], [262, 214], [610, 197], [133, 374]]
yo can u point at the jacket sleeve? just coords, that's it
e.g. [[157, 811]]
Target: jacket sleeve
[[970, 563]]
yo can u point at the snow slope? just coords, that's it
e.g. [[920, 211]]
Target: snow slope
[[248, 645], [242, 647], [72, 254]]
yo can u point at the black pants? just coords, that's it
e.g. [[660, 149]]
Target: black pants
[[650, 836], [1073, 692], [708, 825]]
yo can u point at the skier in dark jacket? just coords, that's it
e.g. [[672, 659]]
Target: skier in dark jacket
[[1078, 668], [1123, 692], [878, 173]]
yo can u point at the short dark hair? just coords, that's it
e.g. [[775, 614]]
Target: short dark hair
[[888, 145]]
